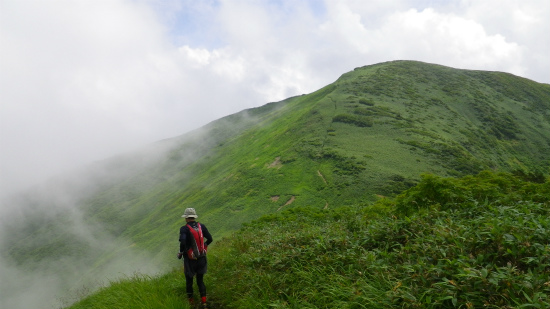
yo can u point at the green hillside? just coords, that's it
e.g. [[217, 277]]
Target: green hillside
[[370, 134], [479, 241]]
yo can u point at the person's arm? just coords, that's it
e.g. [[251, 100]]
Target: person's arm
[[183, 238], [206, 235]]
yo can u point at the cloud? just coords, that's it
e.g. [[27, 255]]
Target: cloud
[[49, 282], [522, 22], [84, 80], [80, 81], [449, 39]]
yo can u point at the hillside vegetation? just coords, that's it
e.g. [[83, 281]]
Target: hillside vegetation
[[475, 242], [368, 135]]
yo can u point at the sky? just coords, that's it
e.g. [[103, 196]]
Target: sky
[[83, 80]]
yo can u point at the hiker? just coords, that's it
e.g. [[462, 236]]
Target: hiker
[[193, 250]]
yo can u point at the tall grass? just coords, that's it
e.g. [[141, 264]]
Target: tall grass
[[140, 292], [479, 253], [486, 247]]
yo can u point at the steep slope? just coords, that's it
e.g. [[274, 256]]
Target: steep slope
[[478, 241], [371, 133]]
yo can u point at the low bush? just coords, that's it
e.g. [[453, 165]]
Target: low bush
[[352, 119], [475, 242]]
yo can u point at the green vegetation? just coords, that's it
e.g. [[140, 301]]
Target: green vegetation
[[352, 119], [140, 292], [370, 134], [475, 242]]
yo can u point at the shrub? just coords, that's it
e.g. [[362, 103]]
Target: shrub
[[366, 102], [475, 242], [351, 119]]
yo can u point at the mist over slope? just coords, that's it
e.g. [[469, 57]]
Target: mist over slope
[[371, 133]]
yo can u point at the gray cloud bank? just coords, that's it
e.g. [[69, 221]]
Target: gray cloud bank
[[83, 80], [53, 248], [52, 252], [64, 238], [66, 270]]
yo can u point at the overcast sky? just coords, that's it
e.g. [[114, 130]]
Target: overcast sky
[[85, 80]]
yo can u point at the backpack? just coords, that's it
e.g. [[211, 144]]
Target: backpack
[[198, 248]]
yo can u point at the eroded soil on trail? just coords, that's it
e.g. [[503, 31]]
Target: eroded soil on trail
[[276, 164], [288, 202]]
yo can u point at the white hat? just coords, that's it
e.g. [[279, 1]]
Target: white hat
[[190, 213]]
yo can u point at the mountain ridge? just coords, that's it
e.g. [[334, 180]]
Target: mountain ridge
[[371, 133]]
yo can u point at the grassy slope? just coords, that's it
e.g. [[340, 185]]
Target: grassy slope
[[475, 242], [413, 132], [372, 132]]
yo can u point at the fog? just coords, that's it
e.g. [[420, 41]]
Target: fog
[[51, 217], [60, 282], [82, 254], [81, 81]]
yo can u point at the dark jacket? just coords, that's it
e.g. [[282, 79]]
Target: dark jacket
[[186, 237]]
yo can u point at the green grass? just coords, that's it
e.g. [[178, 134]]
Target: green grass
[[473, 242], [140, 292], [485, 249]]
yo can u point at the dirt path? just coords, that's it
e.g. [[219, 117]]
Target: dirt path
[[288, 202], [322, 177], [276, 164]]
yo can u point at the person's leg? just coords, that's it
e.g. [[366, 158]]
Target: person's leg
[[189, 286], [200, 284], [202, 287]]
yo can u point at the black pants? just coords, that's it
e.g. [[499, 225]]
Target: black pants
[[200, 284], [195, 268]]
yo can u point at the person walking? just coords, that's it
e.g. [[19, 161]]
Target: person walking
[[193, 249]]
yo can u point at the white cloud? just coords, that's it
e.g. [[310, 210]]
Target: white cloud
[[525, 23], [450, 40], [79, 81], [82, 80]]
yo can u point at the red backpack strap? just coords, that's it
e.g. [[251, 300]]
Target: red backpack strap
[[198, 249]]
